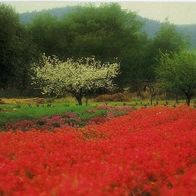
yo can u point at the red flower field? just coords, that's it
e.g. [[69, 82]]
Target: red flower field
[[147, 152]]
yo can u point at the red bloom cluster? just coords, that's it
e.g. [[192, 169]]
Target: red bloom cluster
[[147, 152]]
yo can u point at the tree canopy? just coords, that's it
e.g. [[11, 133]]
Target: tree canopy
[[177, 72], [9, 42], [167, 40], [16, 49]]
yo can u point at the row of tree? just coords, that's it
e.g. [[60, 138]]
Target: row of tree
[[106, 32], [87, 77]]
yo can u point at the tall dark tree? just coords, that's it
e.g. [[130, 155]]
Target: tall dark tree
[[45, 33], [9, 41], [16, 49], [27, 53]]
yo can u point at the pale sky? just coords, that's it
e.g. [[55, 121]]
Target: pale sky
[[176, 12]]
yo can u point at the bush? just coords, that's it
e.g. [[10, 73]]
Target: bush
[[2, 102], [41, 122], [39, 101], [121, 97], [56, 124]]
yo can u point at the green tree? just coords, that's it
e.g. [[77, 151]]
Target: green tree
[[45, 34], [167, 40], [177, 72], [9, 40], [16, 50], [26, 54]]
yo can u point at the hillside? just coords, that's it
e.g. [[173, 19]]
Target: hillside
[[150, 26], [27, 17]]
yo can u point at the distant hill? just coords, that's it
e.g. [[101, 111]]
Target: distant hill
[[189, 30], [27, 17], [150, 26]]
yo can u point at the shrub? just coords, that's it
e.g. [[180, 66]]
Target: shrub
[[56, 124], [39, 101], [41, 122], [2, 102], [121, 97]]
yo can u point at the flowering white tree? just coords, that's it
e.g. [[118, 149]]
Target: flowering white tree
[[78, 77]]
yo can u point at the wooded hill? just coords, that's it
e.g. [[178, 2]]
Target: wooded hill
[[150, 26]]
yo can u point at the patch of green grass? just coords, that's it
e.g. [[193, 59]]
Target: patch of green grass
[[14, 112], [85, 115]]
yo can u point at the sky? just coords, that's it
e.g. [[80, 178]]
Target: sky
[[177, 12]]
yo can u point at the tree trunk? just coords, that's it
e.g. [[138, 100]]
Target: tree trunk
[[23, 82], [188, 100], [79, 100], [176, 98], [86, 101], [151, 99]]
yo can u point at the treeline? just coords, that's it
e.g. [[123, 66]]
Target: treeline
[[106, 32]]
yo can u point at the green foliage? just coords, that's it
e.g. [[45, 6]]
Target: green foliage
[[150, 26], [9, 23], [106, 32], [16, 49], [178, 73], [167, 40], [44, 30]]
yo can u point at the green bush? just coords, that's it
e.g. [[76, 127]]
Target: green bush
[[117, 97]]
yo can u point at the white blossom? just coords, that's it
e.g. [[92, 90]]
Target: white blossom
[[74, 76]]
